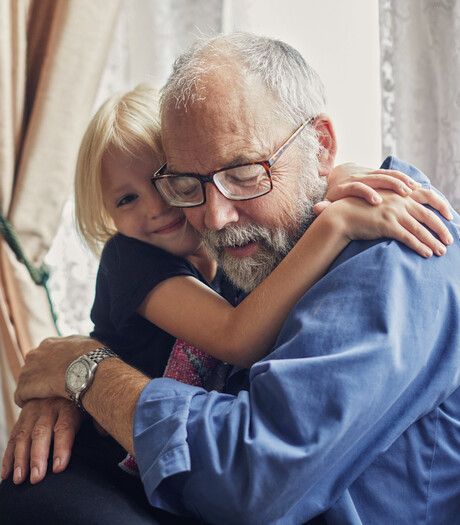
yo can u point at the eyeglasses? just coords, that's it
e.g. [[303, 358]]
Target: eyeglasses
[[242, 182]]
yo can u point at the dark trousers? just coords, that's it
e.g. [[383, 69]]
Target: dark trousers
[[93, 490]]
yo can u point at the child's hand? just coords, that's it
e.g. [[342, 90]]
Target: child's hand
[[351, 180], [397, 217]]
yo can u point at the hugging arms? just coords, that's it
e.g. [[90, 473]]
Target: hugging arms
[[45, 421], [363, 373]]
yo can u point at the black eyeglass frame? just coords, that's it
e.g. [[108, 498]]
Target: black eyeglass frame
[[203, 179]]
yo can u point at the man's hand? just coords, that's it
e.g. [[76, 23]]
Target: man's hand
[[111, 400], [40, 422], [43, 375]]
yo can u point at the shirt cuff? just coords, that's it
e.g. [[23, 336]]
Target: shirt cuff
[[160, 431]]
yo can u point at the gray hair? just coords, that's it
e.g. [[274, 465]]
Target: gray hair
[[278, 65]]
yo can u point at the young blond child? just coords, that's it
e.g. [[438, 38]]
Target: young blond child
[[156, 282]]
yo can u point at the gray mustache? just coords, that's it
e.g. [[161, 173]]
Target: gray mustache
[[237, 236]]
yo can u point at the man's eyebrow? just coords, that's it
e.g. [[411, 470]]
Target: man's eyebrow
[[241, 159], [172, 171]]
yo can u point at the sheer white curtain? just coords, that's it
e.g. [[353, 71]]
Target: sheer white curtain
[[420, 68], [148, 36]]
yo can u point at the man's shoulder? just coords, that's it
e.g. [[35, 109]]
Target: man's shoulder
[[393, 163], [381, 260]]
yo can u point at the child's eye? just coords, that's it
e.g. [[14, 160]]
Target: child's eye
[[126, 200]]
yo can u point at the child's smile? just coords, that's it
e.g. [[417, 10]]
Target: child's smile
[[171, 227]]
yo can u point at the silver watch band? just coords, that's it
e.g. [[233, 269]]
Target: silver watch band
[[100, 353], [95, 357]]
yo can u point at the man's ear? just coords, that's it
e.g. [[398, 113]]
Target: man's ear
[[326, 136]]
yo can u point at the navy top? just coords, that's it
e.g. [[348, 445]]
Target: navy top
[[128, 271], [355, 415]]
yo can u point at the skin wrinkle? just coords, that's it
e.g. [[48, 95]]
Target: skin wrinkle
[[244, 122], [247, 273], [204, 164], [245, 118], [244, 129]]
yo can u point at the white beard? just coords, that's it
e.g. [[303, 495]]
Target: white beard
[[248, 272]]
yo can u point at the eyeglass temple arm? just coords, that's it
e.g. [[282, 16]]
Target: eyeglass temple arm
[[288, 142]]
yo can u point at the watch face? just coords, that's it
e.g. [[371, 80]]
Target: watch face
[[77, 376]]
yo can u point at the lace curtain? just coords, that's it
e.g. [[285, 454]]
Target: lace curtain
[[420, 71], [148, 36]]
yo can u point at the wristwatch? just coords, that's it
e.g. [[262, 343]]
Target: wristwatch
[[80, 373]]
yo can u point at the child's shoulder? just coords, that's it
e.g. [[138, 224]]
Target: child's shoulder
[[120, 244], [123, 253]]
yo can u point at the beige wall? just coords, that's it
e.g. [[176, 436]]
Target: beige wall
[[340, 39]]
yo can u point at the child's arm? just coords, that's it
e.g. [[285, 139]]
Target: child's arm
[[189, 310]]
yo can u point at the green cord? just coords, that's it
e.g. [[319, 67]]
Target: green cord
[[39, 275]]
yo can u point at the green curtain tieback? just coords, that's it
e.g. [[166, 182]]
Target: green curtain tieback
[[39, 275]]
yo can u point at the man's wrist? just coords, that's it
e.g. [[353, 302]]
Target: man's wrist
[[73, 351], [113, 397], [80, 373]]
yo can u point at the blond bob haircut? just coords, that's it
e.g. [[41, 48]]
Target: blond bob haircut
[[128, 123]]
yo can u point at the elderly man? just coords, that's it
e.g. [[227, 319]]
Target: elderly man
[[354, 416]]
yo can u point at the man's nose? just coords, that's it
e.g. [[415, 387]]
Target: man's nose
[[218, 211]]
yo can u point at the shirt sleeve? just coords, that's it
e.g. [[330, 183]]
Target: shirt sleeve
[[128, 271], [363, 355]]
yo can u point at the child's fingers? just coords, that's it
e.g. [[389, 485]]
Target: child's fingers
[[352, 180], [415, 225], [404, 234], [383, 181], [397, 175], [430, 219], [319, 207], [425, 239], [354, 189], [430, 197], [365, 188]]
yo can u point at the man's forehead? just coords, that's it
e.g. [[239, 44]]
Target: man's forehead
[[208, 143], [230, 126]]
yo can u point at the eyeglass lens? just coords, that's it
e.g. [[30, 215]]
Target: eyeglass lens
[[181, 191], [239, 183]]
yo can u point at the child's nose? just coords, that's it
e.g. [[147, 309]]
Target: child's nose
[[156, 206]]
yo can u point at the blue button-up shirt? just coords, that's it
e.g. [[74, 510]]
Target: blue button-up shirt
[[355, 414]]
